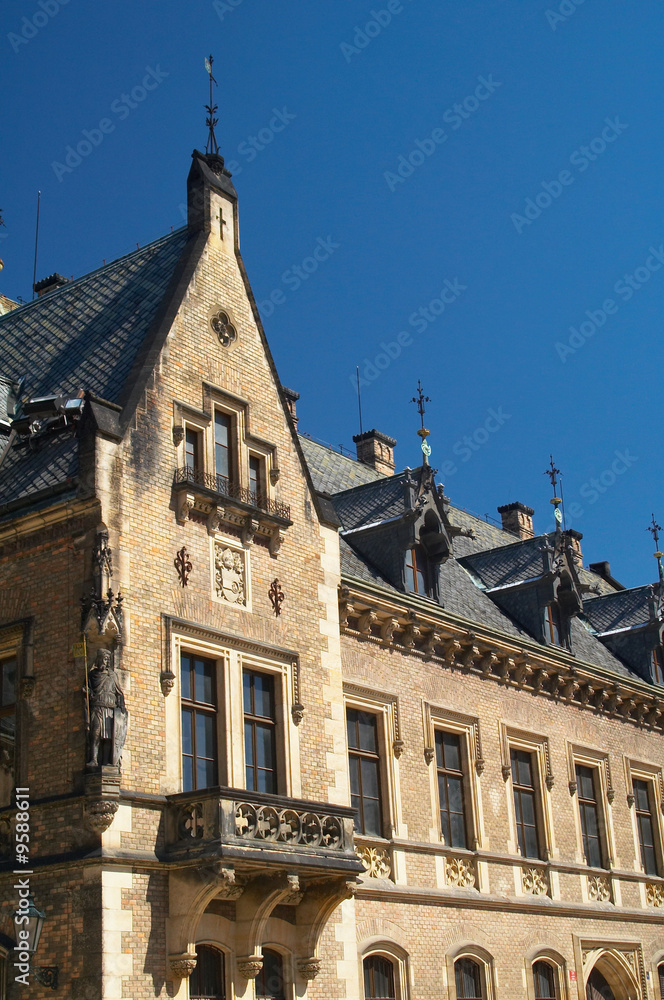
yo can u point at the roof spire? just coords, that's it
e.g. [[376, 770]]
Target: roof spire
[[212, 144], [654, 528], [552, 472], [421, 399]]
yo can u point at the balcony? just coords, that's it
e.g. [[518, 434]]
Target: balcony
[[267, 830], [220, 501]]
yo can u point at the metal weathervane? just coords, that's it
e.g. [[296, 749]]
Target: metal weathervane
[[552, 472], [421, 399], [212, 144], [654, 529]]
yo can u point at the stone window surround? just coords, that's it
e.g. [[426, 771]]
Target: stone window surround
[[214, 398], [654, 776], [232, 658], [435, 718], [395, 954], [386, 708], [513, 738], [485, 961], [16, 639], [587, 952], [556, 961], [599, 761]]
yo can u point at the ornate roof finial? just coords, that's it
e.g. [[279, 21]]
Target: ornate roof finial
[[654, 528], [212, 144], [421, 399], [552, 472]]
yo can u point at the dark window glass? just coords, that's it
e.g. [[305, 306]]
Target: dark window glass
[[270, 980], [192, 449], [8, 681], [364, 764], [450, 789], [199, 722], [597, 987], [589, 813], [657, 663], [525, 803], [468, 977], [223, 455], [416, 571], [260, 745], [552, 625], [256, 479], [207, 981], [544, 979], [645, 824], [378, 978], [660, 972]]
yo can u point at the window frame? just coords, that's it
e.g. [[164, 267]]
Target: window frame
[[262, 722], [657, 664], [359, 754], [553, 625], [596, 803], [393, 953], [460, 775], [205, 709], [599, 762], [557, 963], [416, 551], [224, 968], [286, 970], [386, 708], [482, 958], [536, 744], [519, 791], [437, 718], [653, 776], [232, 655]]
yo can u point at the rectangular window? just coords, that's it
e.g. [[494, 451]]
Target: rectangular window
[[192, 449], [257, 480], [451, 789], [364, 763], [260, 746], [223, 445], [589, 815], [8, 683], [416, 575], [645, 825], [199, 722], [552, 625], [525, 802]]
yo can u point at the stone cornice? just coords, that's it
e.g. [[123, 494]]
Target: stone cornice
[[36, 521], [418, 628]]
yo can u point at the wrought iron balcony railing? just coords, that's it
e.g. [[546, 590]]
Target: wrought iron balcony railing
[[225, 487], [239, 820]]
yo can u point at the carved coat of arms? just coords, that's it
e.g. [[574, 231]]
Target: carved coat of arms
[[229, 575]]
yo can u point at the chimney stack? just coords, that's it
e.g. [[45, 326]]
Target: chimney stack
[[517, 519], [291, 400], [50, 284], [377, 450]]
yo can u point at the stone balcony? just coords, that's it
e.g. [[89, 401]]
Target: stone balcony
[[249, 828]]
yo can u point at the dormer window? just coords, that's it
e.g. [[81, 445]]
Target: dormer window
[[416, 571], [552, 626], [657, 665]]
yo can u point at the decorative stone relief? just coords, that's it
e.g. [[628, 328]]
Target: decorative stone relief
[[167, 681], [100, 814], [223, 328], [254, 822], [460, 872], [534, 881], [182, 966], [191, 823], [229, 575], [308, 968], [654, 894], [183, 565], [250, 967], [599, 888], [376, 860]]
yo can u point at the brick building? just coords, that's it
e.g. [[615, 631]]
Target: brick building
[[285, 723]]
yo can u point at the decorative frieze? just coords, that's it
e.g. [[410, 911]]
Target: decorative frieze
[[460, 872], [599, 888], [535, 881], [376, 860], [655, 894], [287, 826]]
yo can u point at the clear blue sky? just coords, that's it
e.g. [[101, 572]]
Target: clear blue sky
[[564, 109]]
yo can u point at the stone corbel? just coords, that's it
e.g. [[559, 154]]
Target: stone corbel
[[249, 529], [410, 635], [215, 518], [365, 621], [167, 680], [182, 965], [570, 687], [523, 671], [429, 754], [308, 968], [228, 884], [398, 747], [468, 656], [387, 629], [178, 435], [185, 503], [249, 966], [276, 541], [297, 713], [507, 666], [452, 647], [274, 476], [431, 640], [487, 663], [102, 797]]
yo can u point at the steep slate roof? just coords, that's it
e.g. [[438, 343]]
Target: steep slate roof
[[507, 564], [620, 609], [332, 472], [85, 335], [371, 502]]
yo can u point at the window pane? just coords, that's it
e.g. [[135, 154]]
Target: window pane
[[527, 800], [589, 814], [544, 976], [206, 773], [205, 735], [187, 741], [586, 785], [270, 980], [641, 798], [530, 847], [187, 774], [660, 970], [207, 979], [457, 830], [264, 746], [370, 778], [191, 449], [452, 751], [468, 980], [368, 739], [246, 692], [185, 677], [222, 444], [378, 978], [372, 824], [204, 674], [263, 695]]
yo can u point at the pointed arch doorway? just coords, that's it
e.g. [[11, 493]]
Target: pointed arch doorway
[[597, 987]]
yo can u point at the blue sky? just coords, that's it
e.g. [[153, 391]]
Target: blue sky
[[487, 177]]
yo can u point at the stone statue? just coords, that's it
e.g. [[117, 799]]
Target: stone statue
[[106, 716]]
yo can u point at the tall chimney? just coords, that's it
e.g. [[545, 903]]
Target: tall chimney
[[291, 400], [50, 284], [517, 519], [377, 450]]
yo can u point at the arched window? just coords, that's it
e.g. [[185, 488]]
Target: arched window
[[378, 978], [545, 981], [469, 979], [207, 981], [597, 987], [270, 980], [660, 973]]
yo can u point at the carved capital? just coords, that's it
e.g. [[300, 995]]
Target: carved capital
[[308, 968], [249, 529], [365, 621], [183, 965], [99, 814], [167, 681], [250, 966], [387, 629]]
